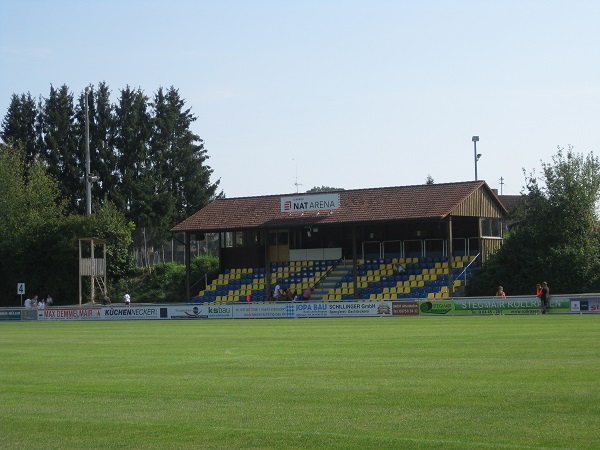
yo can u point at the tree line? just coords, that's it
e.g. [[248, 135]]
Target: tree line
[[152, 172], [149, 163]]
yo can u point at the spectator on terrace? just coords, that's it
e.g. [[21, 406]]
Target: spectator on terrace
[[538, 290], [27, 303], [49, 300], [276, 293], [288, 295], [500, 293], [545, 297], [106, 299], [127, 299]]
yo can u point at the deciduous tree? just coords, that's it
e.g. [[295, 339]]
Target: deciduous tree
[[555, 237]]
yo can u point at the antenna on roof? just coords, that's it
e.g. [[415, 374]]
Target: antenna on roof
[[296, 182], [501, 184]]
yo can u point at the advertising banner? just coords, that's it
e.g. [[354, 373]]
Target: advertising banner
[[352, 309], [188, 312], [218, 311], [585, 305], [314, 309], [483, 306], [345, 309], [405, 308], [130, 312], [10, 314], [90, 313], [262, 311]]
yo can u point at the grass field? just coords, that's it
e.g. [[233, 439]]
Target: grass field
[[503, 382]]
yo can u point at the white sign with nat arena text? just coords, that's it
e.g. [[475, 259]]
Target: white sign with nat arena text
[[310, 202]]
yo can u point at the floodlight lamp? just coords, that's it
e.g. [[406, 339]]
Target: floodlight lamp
[[475, 138]]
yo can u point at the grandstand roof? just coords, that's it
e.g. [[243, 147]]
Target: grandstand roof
[[418, 202]]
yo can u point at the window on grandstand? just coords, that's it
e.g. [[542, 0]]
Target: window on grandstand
[[234, 239], [491, 228]]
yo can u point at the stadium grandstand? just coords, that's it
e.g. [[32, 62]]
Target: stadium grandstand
[[347, 244]]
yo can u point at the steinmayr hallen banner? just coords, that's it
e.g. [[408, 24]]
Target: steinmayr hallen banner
[[484, 306]]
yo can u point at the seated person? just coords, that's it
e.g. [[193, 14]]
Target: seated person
[[306, 294], [400, 270]]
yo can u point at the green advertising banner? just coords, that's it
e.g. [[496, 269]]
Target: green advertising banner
[[481, 306]]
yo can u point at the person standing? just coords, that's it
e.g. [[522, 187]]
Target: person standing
[[545, 297], [127, 299]]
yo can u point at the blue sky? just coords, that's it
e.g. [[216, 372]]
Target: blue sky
[[349, 94]]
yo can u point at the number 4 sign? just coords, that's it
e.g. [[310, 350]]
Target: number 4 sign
[[21, 288]]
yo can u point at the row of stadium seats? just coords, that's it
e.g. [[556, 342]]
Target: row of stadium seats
[[236, 284], [424, 278]]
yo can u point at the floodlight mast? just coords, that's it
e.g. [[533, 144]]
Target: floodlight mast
[[88, 183], [476, 155]]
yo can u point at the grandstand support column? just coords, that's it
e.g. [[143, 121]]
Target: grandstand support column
[[450, 258], [186, 239], [265, 238], [354, 264]]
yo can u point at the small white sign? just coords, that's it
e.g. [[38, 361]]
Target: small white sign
[[20, 288]]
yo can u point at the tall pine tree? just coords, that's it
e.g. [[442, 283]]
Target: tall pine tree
[[180, 155], [132, 135], [62, 144], [20, 125]]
